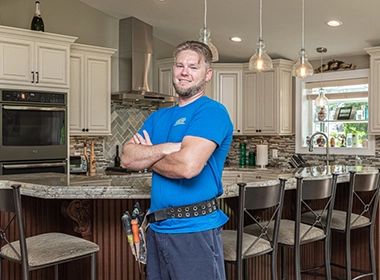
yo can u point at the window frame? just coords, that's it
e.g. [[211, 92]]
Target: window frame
[[304, 114]]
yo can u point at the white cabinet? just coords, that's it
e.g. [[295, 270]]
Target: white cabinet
[[373, 93], [165, 76], [227, 89], [90, 90], [267, 100], [30, 58]]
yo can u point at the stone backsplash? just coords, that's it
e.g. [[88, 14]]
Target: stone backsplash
[[126, 121]]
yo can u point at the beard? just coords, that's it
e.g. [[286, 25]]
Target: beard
[[191, 91]]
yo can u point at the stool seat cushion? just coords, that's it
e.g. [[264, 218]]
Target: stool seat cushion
[[338, 220], [229, 238], [49, 248], [286, 232]]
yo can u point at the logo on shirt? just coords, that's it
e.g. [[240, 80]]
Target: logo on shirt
[[180, 121]]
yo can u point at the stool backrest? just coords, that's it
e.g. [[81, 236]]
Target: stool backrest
[[364, 191], [260, 199], [315, 196]]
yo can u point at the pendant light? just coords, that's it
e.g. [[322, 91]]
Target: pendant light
[[260, 60], [321, 100], [205, 38], [302, 68]]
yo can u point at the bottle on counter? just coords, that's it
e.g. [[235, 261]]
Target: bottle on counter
[[243, 154], [349, 140], [92, 160], [85, 155], [37, 22], [251, 158], [117, 158]]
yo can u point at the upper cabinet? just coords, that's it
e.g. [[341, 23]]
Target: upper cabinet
[[374, 89], [90, 90], [227, 89], [267, 100], [165, 76], [31, 58]]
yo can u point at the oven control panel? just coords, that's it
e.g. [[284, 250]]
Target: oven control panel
[[32, 96]]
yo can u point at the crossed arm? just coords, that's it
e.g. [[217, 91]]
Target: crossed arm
[[173, 160]]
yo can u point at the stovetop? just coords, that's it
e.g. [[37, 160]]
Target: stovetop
[[123, 171]]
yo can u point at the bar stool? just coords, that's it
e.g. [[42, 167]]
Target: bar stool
[[360, 212], [239, 246], [311, 192]]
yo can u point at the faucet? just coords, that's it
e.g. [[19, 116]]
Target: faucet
[[309, 142]]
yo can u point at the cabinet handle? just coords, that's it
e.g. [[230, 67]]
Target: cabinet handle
[[32, 81], [38, 77]]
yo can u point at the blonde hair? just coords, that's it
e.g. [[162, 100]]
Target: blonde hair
[[200, 48]]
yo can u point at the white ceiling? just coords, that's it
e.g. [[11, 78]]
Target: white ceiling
[[175, 21]]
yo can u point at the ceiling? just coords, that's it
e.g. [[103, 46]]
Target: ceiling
[[175, 21]]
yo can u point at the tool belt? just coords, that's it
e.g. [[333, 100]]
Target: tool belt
[[186, 211]]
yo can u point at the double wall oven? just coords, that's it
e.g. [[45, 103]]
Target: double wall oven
[[33, 130]]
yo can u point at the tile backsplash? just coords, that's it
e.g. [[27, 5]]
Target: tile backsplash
[[126, 121]]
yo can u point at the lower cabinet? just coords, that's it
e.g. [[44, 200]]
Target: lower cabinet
[[90, 90]]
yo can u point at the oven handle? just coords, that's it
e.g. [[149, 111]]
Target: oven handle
[[24, 108], [32, 165]]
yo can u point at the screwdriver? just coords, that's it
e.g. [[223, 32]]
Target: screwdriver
[[126, 219], [136, 238]]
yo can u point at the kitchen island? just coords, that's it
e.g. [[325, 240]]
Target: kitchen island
[[91, 207]]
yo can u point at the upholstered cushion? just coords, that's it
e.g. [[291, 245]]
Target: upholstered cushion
[[50, 248], [286, 232], [229, 244], [338, 220]]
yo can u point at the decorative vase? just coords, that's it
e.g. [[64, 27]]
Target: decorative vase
[[322, 114]]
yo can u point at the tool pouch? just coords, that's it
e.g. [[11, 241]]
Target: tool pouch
[[142, 232]]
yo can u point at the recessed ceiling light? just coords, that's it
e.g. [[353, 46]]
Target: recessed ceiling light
[[334, 23], [235, 39]]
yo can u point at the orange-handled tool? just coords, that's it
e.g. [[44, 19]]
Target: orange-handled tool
[[136, 239]]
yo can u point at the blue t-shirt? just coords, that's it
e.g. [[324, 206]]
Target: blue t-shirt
[[204, 118]]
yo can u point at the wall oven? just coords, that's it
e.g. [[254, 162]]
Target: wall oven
[[33, 131]]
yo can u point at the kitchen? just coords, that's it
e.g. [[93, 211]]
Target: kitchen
[[108, 37]]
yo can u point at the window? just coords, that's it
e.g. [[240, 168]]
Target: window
[[344, 120]]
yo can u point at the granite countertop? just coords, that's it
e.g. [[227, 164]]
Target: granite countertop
[[137, 186]]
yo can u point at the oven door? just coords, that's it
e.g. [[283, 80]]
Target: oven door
[[27, 167], [32, 132]]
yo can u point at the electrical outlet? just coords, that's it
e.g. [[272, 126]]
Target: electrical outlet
[[274, 153]]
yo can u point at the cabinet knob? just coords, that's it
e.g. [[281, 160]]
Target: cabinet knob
[[85, 129]]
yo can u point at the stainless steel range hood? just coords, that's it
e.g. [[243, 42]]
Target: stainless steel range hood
[[135, 63]]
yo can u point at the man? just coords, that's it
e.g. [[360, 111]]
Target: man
[[185, 146]]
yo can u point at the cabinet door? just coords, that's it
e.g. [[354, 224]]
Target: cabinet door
[[16, 57], [228, 92], [165, 80], [98, 99], [77, 107], [259, 103], [52, 65], [268, 109]]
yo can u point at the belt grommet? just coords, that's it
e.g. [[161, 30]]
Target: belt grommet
[[209, 204], [171, 209], [203, 212], [187, 209], [179, 215], [195, 214], [209, 210], [187, 215], [195, 208], [179, 209], [214, 208], [173, 216], [203, 207]]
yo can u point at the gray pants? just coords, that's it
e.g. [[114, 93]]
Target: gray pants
[[185, 256]]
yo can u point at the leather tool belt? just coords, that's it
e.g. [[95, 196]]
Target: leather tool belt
[[186, 211]]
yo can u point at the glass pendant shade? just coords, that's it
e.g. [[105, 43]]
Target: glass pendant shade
[[302, 68], [321, 100], [205, 38], [260, 60]]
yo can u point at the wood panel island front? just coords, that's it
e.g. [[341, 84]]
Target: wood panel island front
[[91, 207]]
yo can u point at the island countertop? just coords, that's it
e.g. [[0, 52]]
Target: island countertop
[[137, 186]]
